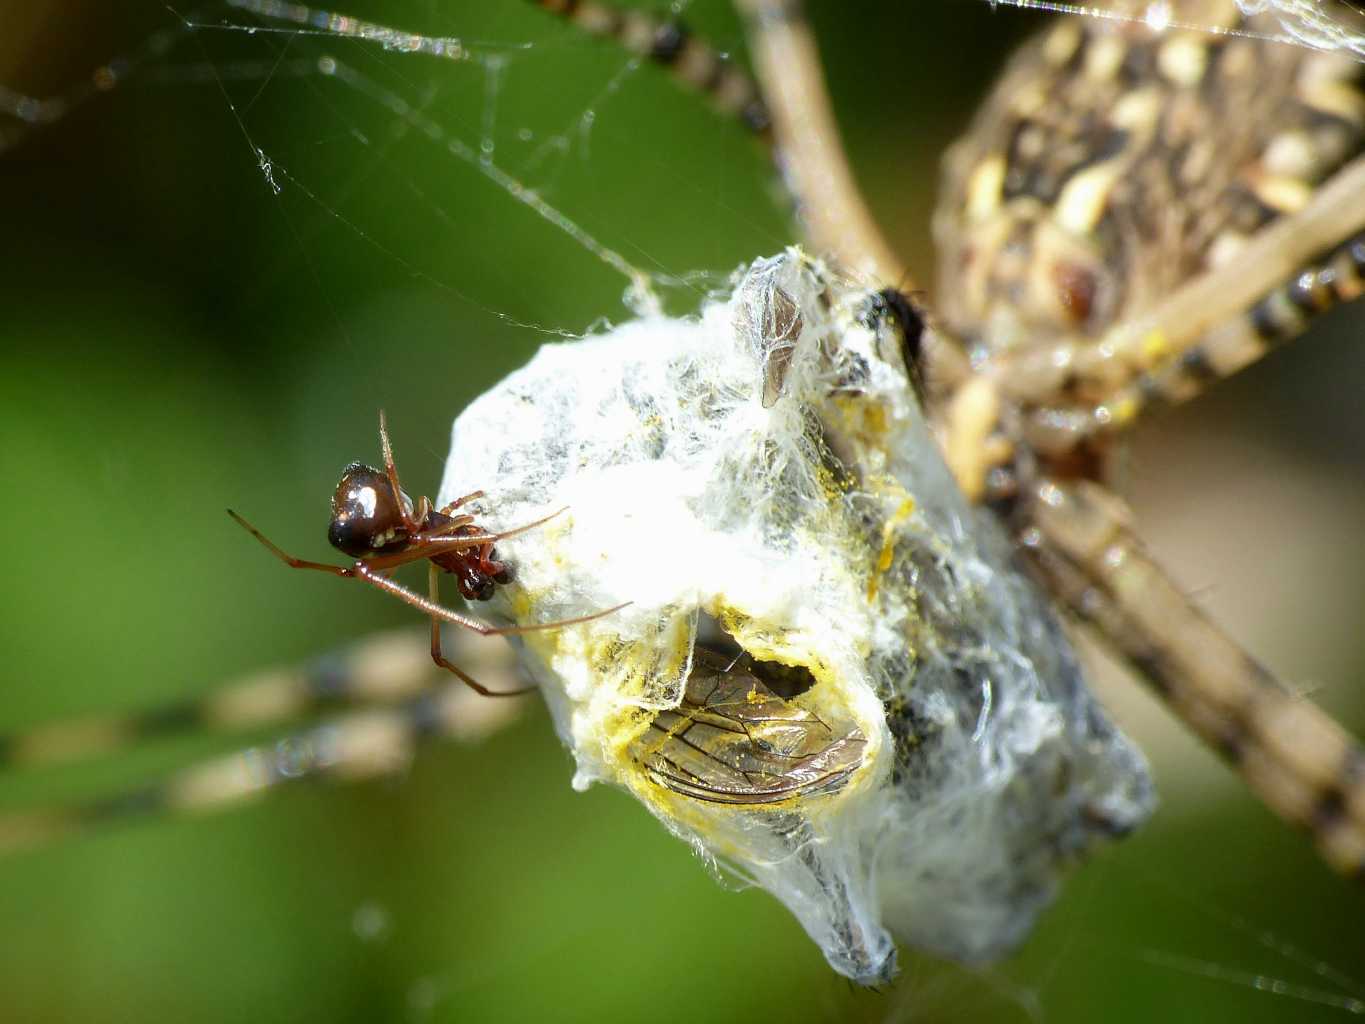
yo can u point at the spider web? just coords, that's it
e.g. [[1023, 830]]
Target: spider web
[[518, 182]]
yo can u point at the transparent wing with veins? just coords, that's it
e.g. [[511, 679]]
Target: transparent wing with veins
[[735, 740]]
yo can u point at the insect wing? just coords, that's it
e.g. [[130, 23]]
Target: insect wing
[[734, 741]]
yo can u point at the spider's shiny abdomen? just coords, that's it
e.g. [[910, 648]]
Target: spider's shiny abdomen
[[366, 519], [1116, 159]]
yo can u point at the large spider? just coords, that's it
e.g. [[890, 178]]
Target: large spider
[[1035, 450], [1107, 169]]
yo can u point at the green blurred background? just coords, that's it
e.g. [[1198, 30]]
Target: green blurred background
[[176, 338]]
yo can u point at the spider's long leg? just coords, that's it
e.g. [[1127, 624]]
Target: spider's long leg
[[668, 42], [438, 653], [380, 669], [286, 557], [837, 221], [412, 523], [444, 614], [836, 218], [434, 542], [372, 572], [463, 499], [30, 112], [357, 745], [815, 171], [1299, 762], [1280, 317], [1299, 267]]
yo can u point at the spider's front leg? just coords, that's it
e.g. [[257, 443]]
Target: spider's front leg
[[1302, 764]]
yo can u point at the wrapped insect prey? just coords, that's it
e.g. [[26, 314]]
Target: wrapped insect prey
[[832, 676]]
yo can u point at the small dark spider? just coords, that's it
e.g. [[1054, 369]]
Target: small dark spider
[[378, 525], [368, 520]]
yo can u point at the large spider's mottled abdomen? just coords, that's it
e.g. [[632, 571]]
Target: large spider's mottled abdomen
[[1116, 159]]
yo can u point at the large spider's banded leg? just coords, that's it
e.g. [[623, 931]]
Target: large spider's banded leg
[[1275, 256], [382, 669], [784, 52], [331, 23], [1280, 317], [794, 103], [1299, 267], [356, 745], [30, 112], [837, 221], [668, 42], [1299, 762]]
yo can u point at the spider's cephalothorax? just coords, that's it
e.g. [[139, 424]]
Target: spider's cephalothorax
[[370, 518]]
